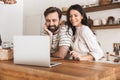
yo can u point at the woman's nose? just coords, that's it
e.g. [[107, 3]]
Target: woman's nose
[[72, 18]]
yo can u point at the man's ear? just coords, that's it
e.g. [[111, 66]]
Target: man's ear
[[60, 21], [45, 23], [63, 22]]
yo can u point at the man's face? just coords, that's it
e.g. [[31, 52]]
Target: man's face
[[52, 21]]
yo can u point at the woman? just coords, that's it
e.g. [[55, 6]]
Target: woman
[[84, 45]]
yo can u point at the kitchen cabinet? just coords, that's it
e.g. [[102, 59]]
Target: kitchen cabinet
[[101, 8]]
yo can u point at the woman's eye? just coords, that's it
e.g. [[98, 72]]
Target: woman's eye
[[76, 15]]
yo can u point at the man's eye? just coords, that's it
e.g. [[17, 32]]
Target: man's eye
[[47, 21], [54, 20]]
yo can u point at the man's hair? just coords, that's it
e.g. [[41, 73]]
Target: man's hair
[[51, 10]]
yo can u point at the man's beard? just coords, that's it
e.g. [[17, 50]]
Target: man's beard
[[53, 28]]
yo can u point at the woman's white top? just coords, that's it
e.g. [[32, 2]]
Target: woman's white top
[[85, 43]]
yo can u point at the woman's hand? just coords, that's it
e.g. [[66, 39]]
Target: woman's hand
[[75, 55]]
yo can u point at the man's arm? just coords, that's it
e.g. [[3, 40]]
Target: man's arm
[[64, 42], [62, 52]]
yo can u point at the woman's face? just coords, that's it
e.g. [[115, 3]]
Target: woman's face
[[75, 18]]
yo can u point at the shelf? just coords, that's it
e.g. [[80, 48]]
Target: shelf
[[104, 7], [115, 26], [100, 8]]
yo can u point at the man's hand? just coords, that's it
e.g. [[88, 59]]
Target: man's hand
[[48, 31]]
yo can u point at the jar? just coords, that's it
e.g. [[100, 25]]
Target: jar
[[105, 2], [110, 20], [90, 21], [104, 21], [6, 45], [0, 40], [96, 22]]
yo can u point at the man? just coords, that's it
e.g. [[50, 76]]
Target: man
[[60, 41]]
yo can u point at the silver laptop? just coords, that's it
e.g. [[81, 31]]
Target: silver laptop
[[32, 50]]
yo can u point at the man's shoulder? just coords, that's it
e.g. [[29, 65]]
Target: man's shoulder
[[64, 26]]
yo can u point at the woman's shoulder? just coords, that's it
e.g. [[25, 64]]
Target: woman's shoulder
[[85, 29]]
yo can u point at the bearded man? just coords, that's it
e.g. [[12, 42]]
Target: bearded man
[[60, 40]]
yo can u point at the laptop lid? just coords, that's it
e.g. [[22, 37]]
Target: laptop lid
[[32, 50]]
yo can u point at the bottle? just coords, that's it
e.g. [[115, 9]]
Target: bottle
[[90, 21], [0, 40], [116, 50], [107, 56]]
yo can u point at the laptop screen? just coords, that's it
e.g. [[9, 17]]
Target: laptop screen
[[32, 50]]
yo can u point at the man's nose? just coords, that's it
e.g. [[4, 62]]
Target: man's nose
[[51, 23]]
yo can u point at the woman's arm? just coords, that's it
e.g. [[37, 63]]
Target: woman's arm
[[91, 42]]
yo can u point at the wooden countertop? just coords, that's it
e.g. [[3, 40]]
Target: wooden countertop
[[68, 70]]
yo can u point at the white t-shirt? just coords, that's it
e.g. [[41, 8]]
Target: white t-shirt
[[85, 43]]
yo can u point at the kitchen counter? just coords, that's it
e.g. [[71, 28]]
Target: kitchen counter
[[68, 70]]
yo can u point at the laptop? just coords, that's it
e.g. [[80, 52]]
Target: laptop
[[32, 50]]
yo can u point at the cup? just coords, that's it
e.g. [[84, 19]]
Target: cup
[[104, 21]]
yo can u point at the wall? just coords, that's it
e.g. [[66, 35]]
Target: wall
[[11, 20], [34, 19], [33, 12], [107, 36]]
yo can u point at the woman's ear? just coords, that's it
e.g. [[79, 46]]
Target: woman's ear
[[82, 17]]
